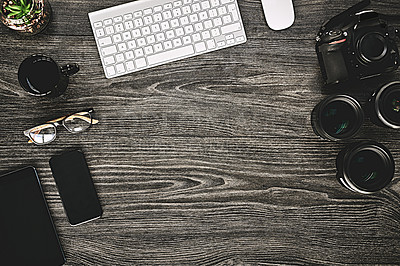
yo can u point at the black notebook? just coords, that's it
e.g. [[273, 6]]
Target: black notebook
[[27, 232]]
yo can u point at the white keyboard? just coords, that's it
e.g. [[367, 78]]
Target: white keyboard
[[147, 33]]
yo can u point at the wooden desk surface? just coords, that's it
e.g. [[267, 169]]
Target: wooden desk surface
[[209, 160]]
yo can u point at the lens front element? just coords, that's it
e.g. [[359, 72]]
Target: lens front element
[[78, 122], [43, 134]]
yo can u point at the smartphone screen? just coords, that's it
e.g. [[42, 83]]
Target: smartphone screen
[[76, 187], [27, 232]]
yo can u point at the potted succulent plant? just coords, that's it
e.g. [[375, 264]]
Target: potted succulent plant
[[25, 16]]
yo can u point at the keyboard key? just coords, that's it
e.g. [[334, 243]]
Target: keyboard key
[[177, 3], [117, 38], [203, 15], [179, 32], [168, 44], [147, 20], [186, 10], [151, 39], [147, 11], [231, 41], [170, 34], [167, 15], [129, 55], [211, 44], [198, 26], [177, 42], [165, 25], [168, 6], [193, 18], [196, 37], [213, 13], [141, 42], [225, 1], [109, 30], [146, 30], [157, 17], [230, 28], [109, 60], [215, 32], [217, 22], [128, 16], [119, 57], [186, 40], [105, 41], [206, 34], [240, 39], [222, 10], [160, 36], [227, 19], [119, 27], [120, 68], [130, 66], [196, 7], [122, 47], [158, 47], [157, 8], [189, 29], [138, 14], [109, 50], [117, 19], [229, 36], [176, 53], [107, 22], [141, 62], [184, 21], [200, 47], [208, 24], [126, 36], [99, 32], [98, 24], [136, 33], [110, 70], [214, 3], [221, 43], [138, 22], [176, 12], [132, 44], [128, 25], [139, 52], [174, 23], [155, 28], [205, 5], [148, 50]]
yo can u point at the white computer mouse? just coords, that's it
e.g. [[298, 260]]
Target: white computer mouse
[[278, 13]]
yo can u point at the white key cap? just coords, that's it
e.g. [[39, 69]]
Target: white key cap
[[214, 3], [196, 37], [179, 32], [147, 11], [167, 15], [109, 60], [168, 6], [99, 32], [235, 15], [170, 34], [203, 15], [119, 57], [158, 47], [222, 10], [110, 70], [138, 14], [109, 30], [177, 42], [221, 43], [117, 19], [126, 36], [136, 33], [98, 24], [120, 68], [206, 34], [196, 7], [186, 40], [184, 20], [107, 22], [146, 30], [193, 18], [231, 41], [240, 39], [186, 10], [130, 66], [141, 42], [105, 41], [109, 50], [139, 52], [176, 53], [128, 25], [168, 45], [174, 23], [151, 39], [198, 26], [230, 28], [205, 5], [155, 28], [200, 47], [157, 17], [119, 27], [213, 13], [225, 1], [229, 36], [177, 3], [211, 44], [138, 22], [217, 22], [129, 55], [208, 24], [132, 44], [157, 8], [147, 20], [176, 12], [148, 50], [141, 62], [215, 32], [160, 36], [117, 38], [128, 16], [165, 25], [122, 47], [227, 19], [189, 29]]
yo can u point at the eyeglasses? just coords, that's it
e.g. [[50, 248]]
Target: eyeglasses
[[74, 123]]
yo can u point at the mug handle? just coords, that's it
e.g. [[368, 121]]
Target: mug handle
[[70, 69]]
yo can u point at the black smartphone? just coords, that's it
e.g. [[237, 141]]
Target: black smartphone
[[76, 187]]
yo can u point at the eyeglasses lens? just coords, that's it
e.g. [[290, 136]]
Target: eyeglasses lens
[[43, 134], [78, 122]]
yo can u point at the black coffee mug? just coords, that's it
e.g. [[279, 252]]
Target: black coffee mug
[[40, 75]]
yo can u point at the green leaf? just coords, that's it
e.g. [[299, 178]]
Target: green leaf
[[13, 13], [23, 3], [29, 6], [15, 8]]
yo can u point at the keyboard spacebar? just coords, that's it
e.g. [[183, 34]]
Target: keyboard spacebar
[[168, 55]]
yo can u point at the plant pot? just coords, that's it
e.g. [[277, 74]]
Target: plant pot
[[34, 20]]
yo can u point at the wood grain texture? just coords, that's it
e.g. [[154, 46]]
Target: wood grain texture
[[209, 160]]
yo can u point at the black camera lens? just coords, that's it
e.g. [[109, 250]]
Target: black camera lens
[[384, 105], [372, 47], [337, 117], [365, 167]]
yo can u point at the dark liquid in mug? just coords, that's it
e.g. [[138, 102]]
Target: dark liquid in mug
[[39, 75]]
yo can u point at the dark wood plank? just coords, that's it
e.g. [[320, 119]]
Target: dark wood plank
[[208, 160]]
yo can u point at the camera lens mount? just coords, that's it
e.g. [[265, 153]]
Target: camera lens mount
[[372, 47]]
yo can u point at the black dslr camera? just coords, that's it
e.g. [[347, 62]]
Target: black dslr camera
[[356, 45]]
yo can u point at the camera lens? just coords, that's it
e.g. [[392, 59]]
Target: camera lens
[[365, 167], [337, 117], [385, 105], [372, 47]]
